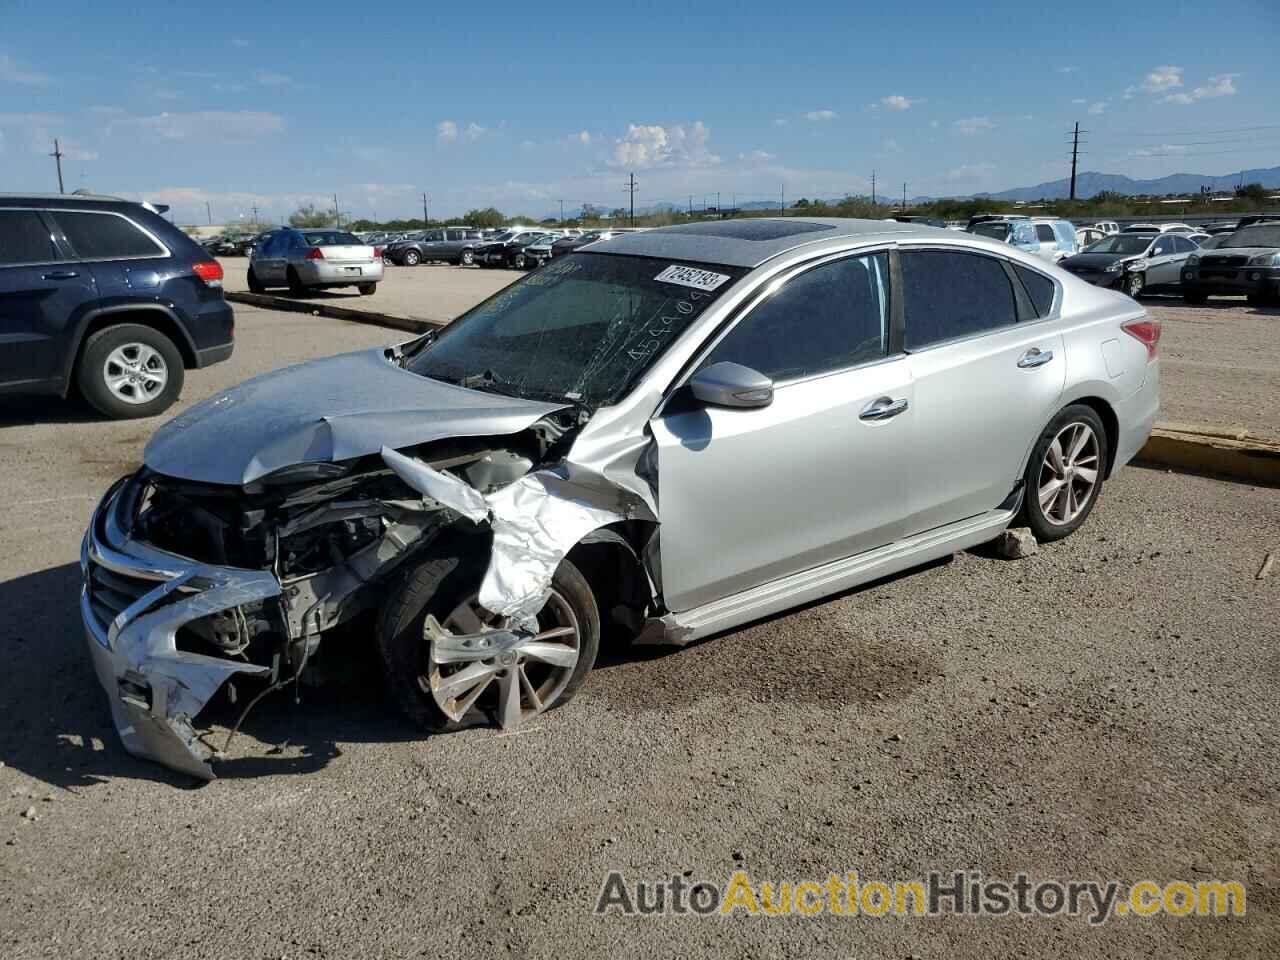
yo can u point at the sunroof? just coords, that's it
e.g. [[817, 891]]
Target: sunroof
[[752, 229]]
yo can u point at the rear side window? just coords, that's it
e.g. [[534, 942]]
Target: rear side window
[[830, 317], [24, 239], [1039, 289], [105, 236], [1044, 233], [950, 295]]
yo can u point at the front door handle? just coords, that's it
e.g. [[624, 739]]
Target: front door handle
[[59, 275], [1035, 357], [883, 408]]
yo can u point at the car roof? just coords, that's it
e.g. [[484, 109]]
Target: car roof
[[749, 243]]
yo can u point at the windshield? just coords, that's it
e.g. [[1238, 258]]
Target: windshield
[[1258, 235], [995, 230], [502, 237], [330, 238], [584, 328], [1131, 243]]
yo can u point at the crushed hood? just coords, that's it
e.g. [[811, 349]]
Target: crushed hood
[[346, 406]]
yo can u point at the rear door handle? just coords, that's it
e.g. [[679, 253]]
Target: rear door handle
[[1035, 357], [59, 275], [883, 408]]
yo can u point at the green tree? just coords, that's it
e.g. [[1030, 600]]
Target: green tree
[[487, 217], [1254, 192], [309, 215]]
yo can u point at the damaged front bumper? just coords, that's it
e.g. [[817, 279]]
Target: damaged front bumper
[[133, 601]]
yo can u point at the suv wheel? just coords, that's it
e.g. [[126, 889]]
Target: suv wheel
[[129, 371], [467, 258], [412, 258], [442, 680], [1133, 285], [1064, 474], [520, 261]]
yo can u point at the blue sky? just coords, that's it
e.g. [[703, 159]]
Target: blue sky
[[523, 105]]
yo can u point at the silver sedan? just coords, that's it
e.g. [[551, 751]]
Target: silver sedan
[[308, 259], [660, 437]]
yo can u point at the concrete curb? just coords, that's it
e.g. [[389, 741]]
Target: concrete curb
[[320, 308], [1229, 453]]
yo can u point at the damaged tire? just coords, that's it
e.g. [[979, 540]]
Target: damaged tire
[[448, 663]]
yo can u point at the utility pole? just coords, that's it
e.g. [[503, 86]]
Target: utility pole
[[717, 203], [57, 158], [208, 212], [562, 213], [691, 206], [337, 214], [873, 188], [255, 215], [631, 188], [426, 221], [735, 203], [904, 197], [1075, 153], [784, 199]]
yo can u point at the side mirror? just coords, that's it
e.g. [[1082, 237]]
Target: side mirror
[[727, 384]]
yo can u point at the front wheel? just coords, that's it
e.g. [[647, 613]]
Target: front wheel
[[255, 285], [367, 289], [412, 258], [520, 261], [449, 663], [130, 371], [467, 258], [1133, 285], [1065, 472]]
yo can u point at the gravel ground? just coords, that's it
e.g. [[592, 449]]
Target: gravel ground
[[1104, 709]]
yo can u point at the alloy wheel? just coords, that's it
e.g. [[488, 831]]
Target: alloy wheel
[[476, 660], [135, 373], [1069, 475]]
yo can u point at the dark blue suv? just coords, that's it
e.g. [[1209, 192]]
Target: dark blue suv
[[108, 295]]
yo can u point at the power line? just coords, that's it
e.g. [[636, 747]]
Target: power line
[[1205, 133]]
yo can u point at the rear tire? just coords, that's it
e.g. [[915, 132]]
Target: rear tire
[[1071, 492], [520, 262], [296, 288], [437, 586], [1133, 284], [255, 285], [412, 258], [1195, 299], [100, 366], [367, 289]]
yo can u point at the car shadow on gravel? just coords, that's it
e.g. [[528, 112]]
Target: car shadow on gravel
[[23, 410], [57, 724]]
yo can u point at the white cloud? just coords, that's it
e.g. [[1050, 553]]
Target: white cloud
[[1164, 149], [1066, 69], [780, 122], [446, 131], [653, 146], [889, 147], [240, 42], [1163, 78], [969, 172], [1079, 100], [269, 79], [896, 101], [237, 126], [1096, 109], [581, 137], [820, 115], [10, 72], [1222, 85], [474, 131], [971, 125]]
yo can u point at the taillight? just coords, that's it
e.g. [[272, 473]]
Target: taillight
[[315, 253], [377, 253], [210, 271], [1145, 331]]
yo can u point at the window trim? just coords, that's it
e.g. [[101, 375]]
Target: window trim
[[53, 228], [776, 283], [78, 258], [1014, 283]]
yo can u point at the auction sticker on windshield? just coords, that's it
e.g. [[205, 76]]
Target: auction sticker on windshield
[[691, 277]]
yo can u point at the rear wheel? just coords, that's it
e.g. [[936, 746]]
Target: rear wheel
[[520, 261], [367, 289], [1195, 299], [467, 258], [1064, 475], [295, 283], [1133, 284], [255, 285], [412, 258], [449, 663], [130, 371]]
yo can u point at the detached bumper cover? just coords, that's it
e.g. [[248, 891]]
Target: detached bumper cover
[[154, 688]]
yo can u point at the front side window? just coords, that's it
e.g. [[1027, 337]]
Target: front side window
[[105, 236], [24, 239], [1044, 233], [833, 316], [585, 327], [949, 295]]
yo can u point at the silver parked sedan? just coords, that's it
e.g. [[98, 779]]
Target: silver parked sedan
[[660, 437], [304, 259]]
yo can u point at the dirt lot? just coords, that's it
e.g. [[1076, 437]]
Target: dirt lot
[[1220, 363], [1104, 709]]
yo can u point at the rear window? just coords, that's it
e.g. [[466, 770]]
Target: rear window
[[24, 238], [953, 295], [1039, 288], [106, 236], [996, 231], [1044, 233], [331, 238]]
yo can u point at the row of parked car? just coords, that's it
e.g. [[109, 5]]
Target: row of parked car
[[518, 247], [1149, 258]]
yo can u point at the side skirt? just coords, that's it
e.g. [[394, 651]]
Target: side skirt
[[800, 588]]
